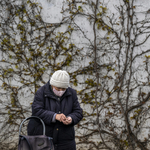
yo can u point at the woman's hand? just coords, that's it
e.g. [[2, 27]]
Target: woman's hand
[[67, 121], [60, 117]]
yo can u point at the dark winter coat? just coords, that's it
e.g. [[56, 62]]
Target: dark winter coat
[[45, 105]]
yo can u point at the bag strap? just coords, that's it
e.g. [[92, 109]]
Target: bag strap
[[32, 117], [22, 138]]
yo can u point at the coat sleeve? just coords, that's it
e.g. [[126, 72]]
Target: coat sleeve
[[77, 113], [38, 108]]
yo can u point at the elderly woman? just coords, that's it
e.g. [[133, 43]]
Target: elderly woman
[[57, 105]]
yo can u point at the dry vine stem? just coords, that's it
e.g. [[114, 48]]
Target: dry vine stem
[[106, 55]]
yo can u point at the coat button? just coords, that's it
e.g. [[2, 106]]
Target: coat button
[[57, 129], [59, 112]]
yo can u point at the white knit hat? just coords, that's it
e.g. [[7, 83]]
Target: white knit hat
[[60, 78]]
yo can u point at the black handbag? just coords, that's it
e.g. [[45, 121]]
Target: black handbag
[[36, 142]]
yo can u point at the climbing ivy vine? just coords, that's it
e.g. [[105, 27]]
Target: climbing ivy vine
[[107, 63]]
